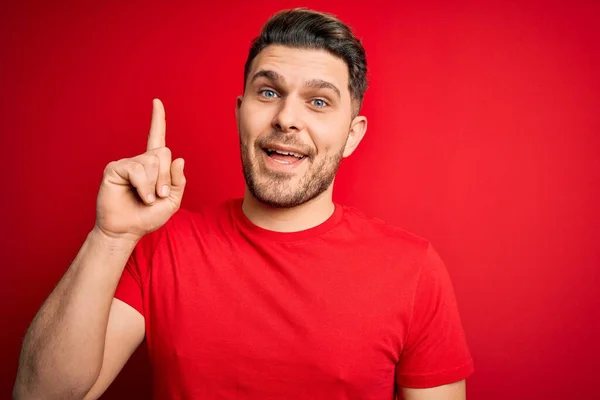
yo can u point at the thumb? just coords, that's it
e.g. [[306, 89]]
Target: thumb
[[177, 178]]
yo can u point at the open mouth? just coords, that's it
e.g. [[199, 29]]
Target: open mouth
[[283, 157]]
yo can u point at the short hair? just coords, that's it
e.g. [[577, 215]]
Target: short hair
[[307, 29]]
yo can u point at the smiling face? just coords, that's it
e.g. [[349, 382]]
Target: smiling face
[[295, 124]]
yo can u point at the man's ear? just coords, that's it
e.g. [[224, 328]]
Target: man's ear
[[358, 128], [238, 104]]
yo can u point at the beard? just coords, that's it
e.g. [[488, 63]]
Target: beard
[[276, 189]]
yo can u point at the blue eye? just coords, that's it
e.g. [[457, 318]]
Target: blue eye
[[269, 94], [319, 103]]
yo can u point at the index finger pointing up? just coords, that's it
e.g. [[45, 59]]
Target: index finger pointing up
[[156, 137]]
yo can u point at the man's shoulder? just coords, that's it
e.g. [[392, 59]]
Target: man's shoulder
[[382, 231]]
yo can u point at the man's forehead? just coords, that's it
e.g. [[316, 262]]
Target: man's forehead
[[301, 65]]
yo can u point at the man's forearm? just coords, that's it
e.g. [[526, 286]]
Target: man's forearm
[[64, 346], [452, 391]]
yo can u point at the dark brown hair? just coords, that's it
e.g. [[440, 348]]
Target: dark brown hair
[[307, 29]]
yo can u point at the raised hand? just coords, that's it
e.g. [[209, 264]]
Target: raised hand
[[138, 195]]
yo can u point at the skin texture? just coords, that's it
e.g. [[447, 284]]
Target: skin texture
[[300, 99], [452, 391]]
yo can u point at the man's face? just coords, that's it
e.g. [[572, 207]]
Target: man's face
[[295, 124]]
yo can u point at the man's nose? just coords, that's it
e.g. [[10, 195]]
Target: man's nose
[[289, 116]]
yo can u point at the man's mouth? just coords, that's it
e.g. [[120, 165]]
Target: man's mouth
[[283, 156]]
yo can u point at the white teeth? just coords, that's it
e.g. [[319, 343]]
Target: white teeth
[[286, 153]]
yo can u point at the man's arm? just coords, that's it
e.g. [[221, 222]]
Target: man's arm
[[125, 332], [70, 344], [435, 350], [452, 391], [81, 337]]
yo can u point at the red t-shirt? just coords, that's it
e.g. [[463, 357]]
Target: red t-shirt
[[344, 310]]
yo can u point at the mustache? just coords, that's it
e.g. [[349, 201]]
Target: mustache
[[284, 139]]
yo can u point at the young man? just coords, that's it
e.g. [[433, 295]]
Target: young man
[[282, 295]]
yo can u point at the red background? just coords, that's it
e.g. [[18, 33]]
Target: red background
[[484, 136]]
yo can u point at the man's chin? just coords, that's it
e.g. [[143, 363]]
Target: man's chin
[[278, 203], [276, 199], [277, 189]]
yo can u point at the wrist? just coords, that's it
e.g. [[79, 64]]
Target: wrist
[[113, 242]]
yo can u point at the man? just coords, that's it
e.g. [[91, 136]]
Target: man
[[282, 295]]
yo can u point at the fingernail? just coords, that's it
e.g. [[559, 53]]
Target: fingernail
[[165, 190], [151, 198]]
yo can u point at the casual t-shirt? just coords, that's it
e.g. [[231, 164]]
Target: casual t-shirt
[[345, 310]]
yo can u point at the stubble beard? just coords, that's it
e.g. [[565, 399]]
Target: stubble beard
[[275, 189]]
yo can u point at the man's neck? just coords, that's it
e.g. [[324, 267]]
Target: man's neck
[[302, 217]]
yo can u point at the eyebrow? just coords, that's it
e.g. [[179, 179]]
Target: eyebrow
[[321, 84], [269, 74], [313, 83]]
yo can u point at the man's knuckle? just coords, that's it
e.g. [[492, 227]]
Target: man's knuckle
[[153, 161], [137, 168], [111, 166], [165, 152]]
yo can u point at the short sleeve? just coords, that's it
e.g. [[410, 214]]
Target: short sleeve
[[129, 289], [436, 351], [131, 285]]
